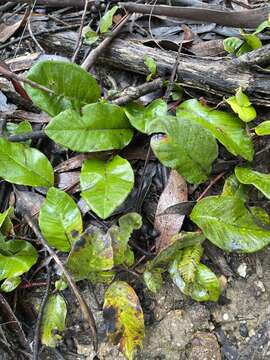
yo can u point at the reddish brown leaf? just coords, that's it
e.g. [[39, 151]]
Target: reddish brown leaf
[[168, 225]]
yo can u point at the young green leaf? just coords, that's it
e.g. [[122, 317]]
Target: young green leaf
[[241, 105], [16, 258], [227, 223], [232, 44], [152, 67], [188, 148], [147, 119], [106, 184], [91, 257], [178, 242], [107, 19], [250, 177], [22, 165], [190, 260], [263, 128], [72, 86], [53, 320], [252, 40], [120, 236], [226, 127], [124, 319], [264, 25], [11, 284], [205, 286], [60, 219], [89, 35], [153, 279], [101, 127]]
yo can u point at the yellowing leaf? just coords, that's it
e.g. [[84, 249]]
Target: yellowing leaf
[[124, 319], [263, 128]]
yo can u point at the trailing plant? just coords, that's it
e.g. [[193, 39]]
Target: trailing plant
[[188, 142]]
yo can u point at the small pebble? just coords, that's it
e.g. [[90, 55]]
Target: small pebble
[[242, 270], [260, 285], [225, 317]]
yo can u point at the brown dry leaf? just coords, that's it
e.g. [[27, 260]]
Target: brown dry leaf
[[69, 181], [7, 30], [208, 48], [175, 192], [28, 200]]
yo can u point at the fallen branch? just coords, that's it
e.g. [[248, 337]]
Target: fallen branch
[[52, 3], [248, 19]]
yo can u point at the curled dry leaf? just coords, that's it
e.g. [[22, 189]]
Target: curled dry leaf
[[14, 23], [175, 192]]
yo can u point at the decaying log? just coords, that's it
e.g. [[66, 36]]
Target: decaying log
[[219, 76]]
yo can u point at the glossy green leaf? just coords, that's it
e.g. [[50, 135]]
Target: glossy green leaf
[[205, 287], [60, 219], [120, 236], [250, 177], [72, 86], [226, 222], [246, 114], [178, 242], [147, 119], [53, 320], [124, 319], [153, 279], [11, 284], [22, 165], [232, 187], [16, 258], [232, 44], [252, 40], [107, 19], [91, 257], [187, 147], [152, 67], [101, 127], [264, 25], [263, 128], [106, 184], [226, 127]]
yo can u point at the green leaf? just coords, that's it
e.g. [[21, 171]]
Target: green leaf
[[22, 165], [226, 127], [152, 67], [72, 86], [106, 184], [190, 260], [252, 40], [250, 177], [188, 148], [11, 284], [178, 242], [120, 236], [91, 257], [264, 25], [205, 287], [263, 128], [241, 98], [53, 320], [16, 258], [89, 35], [153, 279], [101, 127], [232, 44], [232, 187], [226, 222], [246, 114], [60, 219], [6, 225], [107, 19], [124, 319], [147, 119]]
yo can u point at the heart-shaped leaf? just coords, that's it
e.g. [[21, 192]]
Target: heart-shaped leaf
[[187, 147], [53, 320], [226, 127], [227, 223], [147, 119], [263, 128], [106, 184], [71, 86], [16, 258], [60, 219], [22, 165], [101, 127], [124, 319], [250, 177], [120, 236], [107, 19], [91, 257]]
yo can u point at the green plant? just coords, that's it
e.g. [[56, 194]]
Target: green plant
[[188, 143]]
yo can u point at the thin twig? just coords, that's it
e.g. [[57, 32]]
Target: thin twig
[[212, 182], [86, 311], [27, 136], [94, 54], [40, 314], [33, 37], [79, 39]]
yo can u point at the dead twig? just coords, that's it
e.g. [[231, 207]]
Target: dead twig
[[79, 39], [212, 183]]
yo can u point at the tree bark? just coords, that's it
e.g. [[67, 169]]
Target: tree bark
[[219, 76]]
